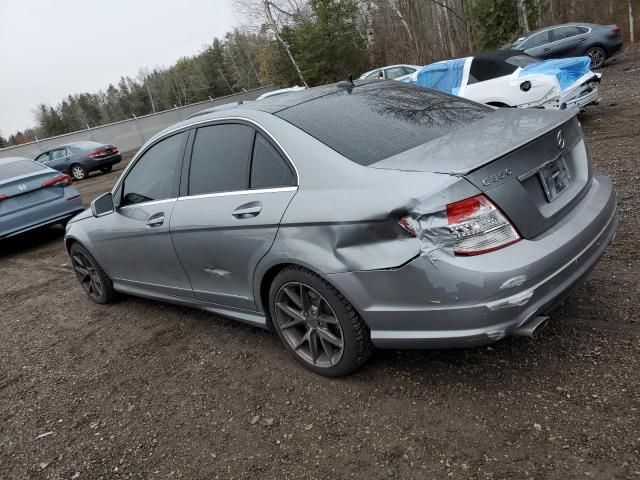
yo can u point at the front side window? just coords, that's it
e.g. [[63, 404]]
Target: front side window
[[154, 175], [268, 168], [44, 158], [221, 159], [373, 75], [536, 41]]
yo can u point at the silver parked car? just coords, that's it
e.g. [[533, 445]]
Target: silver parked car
[[33, 196], [355, 215]]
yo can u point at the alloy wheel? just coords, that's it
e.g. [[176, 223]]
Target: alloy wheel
[[309, 325], [78, 172], [87, 275], [597, 57]]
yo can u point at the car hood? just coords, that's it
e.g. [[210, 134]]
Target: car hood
[[478, 143]]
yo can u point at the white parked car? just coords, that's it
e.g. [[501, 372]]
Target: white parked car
[[392, 72], [514, 79]]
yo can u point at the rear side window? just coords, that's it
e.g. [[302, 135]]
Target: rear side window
[[268, 168], [374, 121], [566, 32], [221, 159], [154, 175]]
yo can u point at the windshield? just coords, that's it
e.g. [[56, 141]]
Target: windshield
[[513, 43]]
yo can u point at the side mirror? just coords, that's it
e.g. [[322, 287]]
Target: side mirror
[[103, 205]]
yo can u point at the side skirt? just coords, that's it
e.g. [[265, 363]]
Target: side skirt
[[255, 319]]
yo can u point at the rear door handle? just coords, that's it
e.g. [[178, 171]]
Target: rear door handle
[[156, 220], [547, 49], [248, 210]]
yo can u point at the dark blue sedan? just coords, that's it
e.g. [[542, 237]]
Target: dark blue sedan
[[78, 159], [33, 196], [598, 42]]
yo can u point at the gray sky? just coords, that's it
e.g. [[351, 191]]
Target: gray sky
[[52, 48]]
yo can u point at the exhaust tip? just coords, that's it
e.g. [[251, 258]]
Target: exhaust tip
[[530, 327]]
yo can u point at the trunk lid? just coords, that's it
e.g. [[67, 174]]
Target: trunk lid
[[21, 185], [534, 165]]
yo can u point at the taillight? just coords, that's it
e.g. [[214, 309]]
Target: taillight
[[616, 30], [59, 181], [97, 153], [478, 226], [3, 197]]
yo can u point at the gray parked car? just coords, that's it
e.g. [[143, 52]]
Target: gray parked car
[[598, 42], [350, 215], [78, 159], [33, 196]]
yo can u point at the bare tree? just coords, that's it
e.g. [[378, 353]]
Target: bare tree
[[631, 32], [523, 15], [395, 5]]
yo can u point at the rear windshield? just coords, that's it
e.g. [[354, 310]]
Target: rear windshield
[[17, 168], [378, 120], [86, 145], [521, 60]]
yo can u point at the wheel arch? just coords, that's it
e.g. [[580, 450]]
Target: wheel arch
[[268, 274]]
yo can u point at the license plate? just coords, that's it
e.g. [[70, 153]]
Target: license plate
[[555, 177]]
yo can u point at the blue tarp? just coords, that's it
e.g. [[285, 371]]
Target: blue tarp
[[444, 76], [566, 70]]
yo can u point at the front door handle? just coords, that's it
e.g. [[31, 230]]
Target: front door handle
[[156, 220], [251, 209]]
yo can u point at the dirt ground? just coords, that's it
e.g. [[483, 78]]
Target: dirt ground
[[144, 390]]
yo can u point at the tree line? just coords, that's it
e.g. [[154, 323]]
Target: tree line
[[311, 42]]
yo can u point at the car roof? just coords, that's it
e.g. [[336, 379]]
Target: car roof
[[550, 27]]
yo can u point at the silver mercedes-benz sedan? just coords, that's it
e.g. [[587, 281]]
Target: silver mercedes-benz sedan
[[355, 215], [33, 196]]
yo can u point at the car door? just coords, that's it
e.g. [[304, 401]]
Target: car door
[[59, 159], [237, 191], [538, 45], [568, 41], [134, 242]]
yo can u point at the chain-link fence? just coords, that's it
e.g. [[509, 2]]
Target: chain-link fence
[[130, 134]]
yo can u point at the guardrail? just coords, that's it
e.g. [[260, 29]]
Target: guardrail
[[129, 134]]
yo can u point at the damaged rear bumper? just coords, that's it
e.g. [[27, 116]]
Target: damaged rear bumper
[[439, 300]]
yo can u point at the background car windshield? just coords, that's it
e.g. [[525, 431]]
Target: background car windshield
[[375, 121], [153, 177]]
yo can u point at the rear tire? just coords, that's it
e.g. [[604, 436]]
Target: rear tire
[[308, 311], [598, 56], [106, 169], [78, 172], [93, 280]]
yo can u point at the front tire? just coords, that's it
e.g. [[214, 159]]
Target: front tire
[[78, 172], [93, 280], [317, 324], [598, 56]]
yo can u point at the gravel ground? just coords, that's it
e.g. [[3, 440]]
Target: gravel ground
[[144, 390]]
